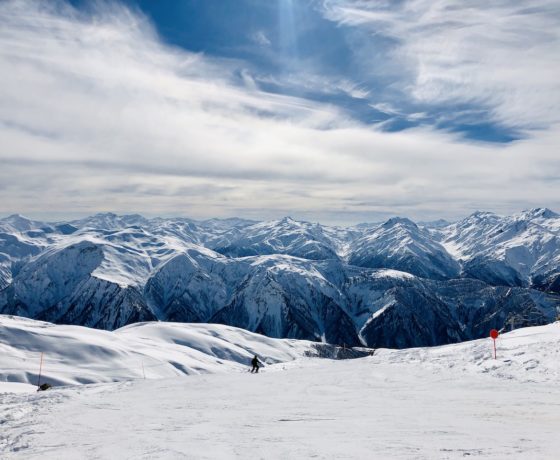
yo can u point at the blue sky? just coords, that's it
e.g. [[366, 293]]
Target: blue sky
[[333, 110], [285, 43]]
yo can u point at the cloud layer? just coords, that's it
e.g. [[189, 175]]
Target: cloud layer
[[502, 56], [96, 113]]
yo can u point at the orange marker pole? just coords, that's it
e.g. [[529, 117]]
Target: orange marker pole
[[40, 371]]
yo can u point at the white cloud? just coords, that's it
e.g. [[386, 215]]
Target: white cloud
[[501, 55], [97, 114], [260, 38]]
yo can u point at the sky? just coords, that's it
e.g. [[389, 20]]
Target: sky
[[337, 111]]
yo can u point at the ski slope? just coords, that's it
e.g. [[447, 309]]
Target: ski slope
[[454, 401], [78, 355]]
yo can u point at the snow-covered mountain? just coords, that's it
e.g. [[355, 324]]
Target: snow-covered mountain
[[286, 236], [400, 244], [518, 250], [391, 284]]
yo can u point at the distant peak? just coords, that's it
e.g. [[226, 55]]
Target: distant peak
[[482, 214], [18, 221], [399, 220], [14, 217], [544, 213], [439, 223], [287, 220]]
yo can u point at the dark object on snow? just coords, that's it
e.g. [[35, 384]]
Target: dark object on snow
[[44, 386], [255, 362], [328, 351]]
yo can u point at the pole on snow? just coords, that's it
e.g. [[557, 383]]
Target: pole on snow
[[40, 371], [494, 335]]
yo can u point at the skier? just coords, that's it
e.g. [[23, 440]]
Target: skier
[[255, 362]]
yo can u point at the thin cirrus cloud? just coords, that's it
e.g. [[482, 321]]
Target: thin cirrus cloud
[[260, 38], [96, 113], [503, 56]]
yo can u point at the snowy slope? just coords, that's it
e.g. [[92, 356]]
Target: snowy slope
[[401, 245], [61, 285], [530, 354], [398, 310], [20, 239], [446, 402], [74, 355], [287, 297], [518, 250]]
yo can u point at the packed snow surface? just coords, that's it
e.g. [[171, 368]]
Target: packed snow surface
[[448, 402]]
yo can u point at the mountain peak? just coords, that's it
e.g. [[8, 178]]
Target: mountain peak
[[544, 213], [393, 221], [482, 214], [19, 222], [439, 223], [16, 218], [287, 220]]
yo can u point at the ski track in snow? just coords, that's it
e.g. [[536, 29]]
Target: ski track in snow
[[425, 403]]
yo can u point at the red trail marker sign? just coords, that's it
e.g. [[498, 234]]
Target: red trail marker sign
[[494, 335]]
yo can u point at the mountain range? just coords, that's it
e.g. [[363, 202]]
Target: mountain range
[[390, 284]]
